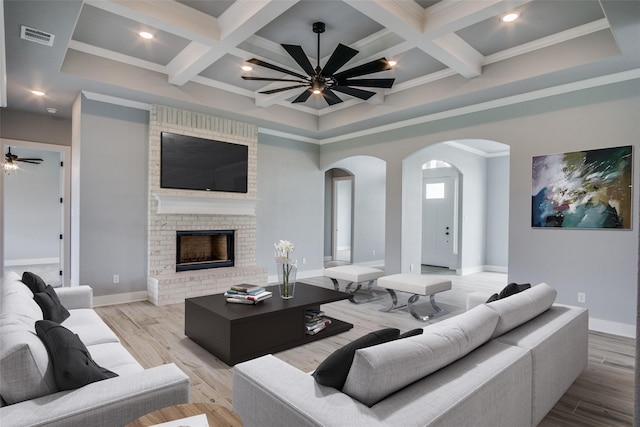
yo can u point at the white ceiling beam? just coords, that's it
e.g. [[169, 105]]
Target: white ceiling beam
[[395, 16], [237, 23], [168, 16]]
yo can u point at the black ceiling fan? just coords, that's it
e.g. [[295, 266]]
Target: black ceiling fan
[[323, 80], [10, 158]]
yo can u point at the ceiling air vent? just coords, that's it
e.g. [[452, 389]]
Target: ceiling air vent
[[37, 36]]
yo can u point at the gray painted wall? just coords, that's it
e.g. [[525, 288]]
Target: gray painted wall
[[291, 194], [497, 221], [25, 126], [113, 198]]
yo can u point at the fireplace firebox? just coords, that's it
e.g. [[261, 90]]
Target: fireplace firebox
[[201, 249]]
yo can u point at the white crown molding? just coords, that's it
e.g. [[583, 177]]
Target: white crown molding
[[287, 135], [496, 103], [93, 96], [115, 56], [583, 30]]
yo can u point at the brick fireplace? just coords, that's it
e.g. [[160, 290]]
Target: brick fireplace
[[198, 213]]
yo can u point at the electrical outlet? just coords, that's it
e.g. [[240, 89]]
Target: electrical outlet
[[304, 260], [373, 252], [582, 297], [411, 267], [116, 278]]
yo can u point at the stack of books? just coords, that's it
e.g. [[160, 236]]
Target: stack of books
[[315, 321], [246, 294]]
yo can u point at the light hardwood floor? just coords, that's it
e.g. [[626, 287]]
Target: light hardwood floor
[[601, 396]]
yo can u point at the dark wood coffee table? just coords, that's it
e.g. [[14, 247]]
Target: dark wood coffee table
[[238, 332]]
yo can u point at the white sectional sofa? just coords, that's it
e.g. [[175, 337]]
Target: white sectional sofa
[[27, 384], [505, 363]]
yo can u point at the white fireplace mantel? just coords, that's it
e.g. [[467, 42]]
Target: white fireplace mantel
[[172, 204]]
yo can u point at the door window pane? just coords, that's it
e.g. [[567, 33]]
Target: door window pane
[[435, 190]]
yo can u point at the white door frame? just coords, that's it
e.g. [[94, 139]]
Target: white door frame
[[65, 153]]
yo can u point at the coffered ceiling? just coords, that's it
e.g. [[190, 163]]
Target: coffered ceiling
[[453, 56]]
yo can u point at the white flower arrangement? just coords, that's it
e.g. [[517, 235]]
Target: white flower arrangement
[[284, 248]]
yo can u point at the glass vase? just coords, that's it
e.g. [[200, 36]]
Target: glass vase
[[286, 279]]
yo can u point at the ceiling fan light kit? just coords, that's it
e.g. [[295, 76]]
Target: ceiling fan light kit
[[10, 162], [325, 80]]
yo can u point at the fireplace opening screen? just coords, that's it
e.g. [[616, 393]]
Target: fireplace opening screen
[[196, 250]]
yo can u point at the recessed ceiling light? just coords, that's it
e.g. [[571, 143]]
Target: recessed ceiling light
[[392, 62], [247, 67], [510, 17], [38, 92], [145, 35], [52, 110]]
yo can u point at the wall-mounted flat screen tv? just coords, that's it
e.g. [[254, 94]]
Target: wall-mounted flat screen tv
[[191, 163]]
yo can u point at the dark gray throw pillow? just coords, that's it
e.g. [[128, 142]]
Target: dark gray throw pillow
[[33, 282], [52, 308], [333, 371], [72, 364], [411, 333], [510, 289]]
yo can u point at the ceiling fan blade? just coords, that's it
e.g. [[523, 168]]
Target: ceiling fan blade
[[300, 57], [274, 67], [35, 159], [338, 58], [303, 96], [383, 83], [267, 79], [29, 161], [358, 93], [282, 89], [368, 68], [330, 97]]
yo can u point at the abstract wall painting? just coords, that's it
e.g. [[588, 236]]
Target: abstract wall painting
[[583, 189]]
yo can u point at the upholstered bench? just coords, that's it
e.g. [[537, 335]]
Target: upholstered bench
[[417, 285], [355, 274]]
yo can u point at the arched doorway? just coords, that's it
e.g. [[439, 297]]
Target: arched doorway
[[354, 213]]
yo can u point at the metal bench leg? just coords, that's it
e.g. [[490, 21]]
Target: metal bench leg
[[394, 301], [438, 311], [373, 296]]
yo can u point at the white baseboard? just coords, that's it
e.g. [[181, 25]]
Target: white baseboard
[[614, 328], [375, 263], [31, 261], [469, 270], [496, 268], [123, 298]]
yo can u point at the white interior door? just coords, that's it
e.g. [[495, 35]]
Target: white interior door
[[438, 221], [34, 215], [342, 218]]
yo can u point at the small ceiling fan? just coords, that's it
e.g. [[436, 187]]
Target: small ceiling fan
[[323, 80], [10, 158]]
